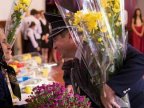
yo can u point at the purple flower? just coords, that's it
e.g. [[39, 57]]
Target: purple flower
[[55, 96]]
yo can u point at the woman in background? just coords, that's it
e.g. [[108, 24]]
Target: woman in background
[[45, 43], [138, 29]]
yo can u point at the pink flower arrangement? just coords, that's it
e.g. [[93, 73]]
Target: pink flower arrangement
[[55, 96]]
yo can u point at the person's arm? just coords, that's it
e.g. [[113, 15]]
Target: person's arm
[[39, 28], [120, 83], [142, 33], [32, 39], [131, 71], [67, 72], [134, 29]]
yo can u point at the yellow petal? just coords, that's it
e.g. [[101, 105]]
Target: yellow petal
[[99, 39]]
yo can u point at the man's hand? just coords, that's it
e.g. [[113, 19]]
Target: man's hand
[[70, 89], [38, 48], [108, 97]]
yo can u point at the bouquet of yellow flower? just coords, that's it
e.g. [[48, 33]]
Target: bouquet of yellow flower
[[18, 9], [101, 23], [114, 10]]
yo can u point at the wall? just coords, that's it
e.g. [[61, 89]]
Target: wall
[[140, 4], [5, 7]]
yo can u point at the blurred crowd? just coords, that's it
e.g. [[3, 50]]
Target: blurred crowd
[[35, 32]]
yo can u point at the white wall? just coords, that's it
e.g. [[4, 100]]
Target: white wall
[[5, 7], [38, 4]]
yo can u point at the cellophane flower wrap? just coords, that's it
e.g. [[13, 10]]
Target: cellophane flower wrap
[[101, 24], [55, 96], [18, 9]]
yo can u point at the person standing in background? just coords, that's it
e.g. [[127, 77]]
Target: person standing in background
[[54, 55], [23, 27], [34, 17], [138, 29], [32, 44], [45, 44]]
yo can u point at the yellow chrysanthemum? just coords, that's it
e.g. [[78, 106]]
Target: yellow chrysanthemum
[[92, 26], [91, 22], [80, 29], [89, 19], [100, 40], [110, 4], [119, 18], [78, 17], [104, 3], [20, 6], [99, 16], [109, 15], [16, 8], [116, 7], [25, 8], [92, 19], [26, 2]]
